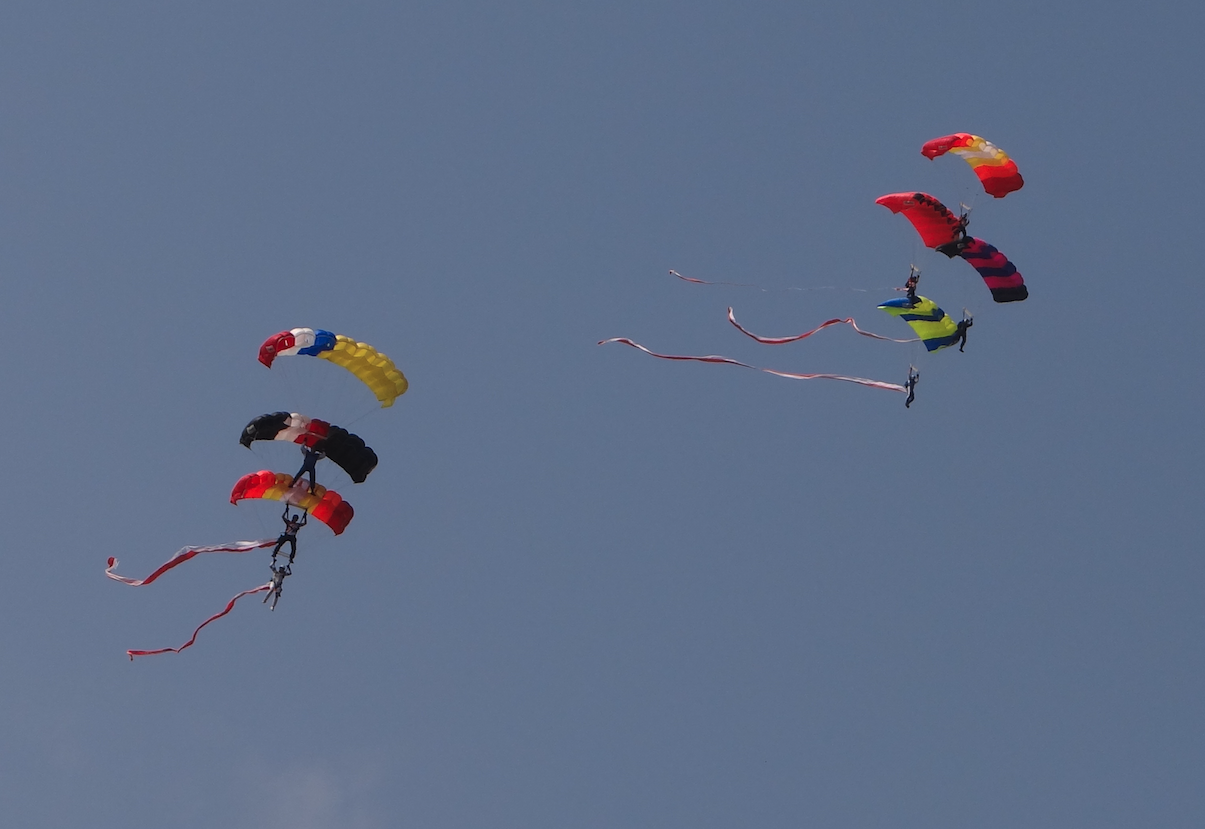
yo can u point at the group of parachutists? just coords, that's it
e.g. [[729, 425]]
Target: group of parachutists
[[939, 229], [304, 498]]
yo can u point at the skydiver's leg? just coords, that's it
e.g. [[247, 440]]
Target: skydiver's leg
[[292, 550]]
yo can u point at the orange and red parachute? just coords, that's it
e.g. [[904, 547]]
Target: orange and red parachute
[[324, 504], [997, 172]]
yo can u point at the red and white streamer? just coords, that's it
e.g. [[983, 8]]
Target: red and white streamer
[[704, 282], [184, 555], [189, 643], [715, 358], [827, 323]]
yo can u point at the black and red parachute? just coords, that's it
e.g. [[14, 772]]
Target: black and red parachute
[[346, 450]]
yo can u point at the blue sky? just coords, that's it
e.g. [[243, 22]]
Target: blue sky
[[585, 587]]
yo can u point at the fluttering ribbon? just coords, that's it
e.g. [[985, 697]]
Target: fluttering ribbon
[[189, 643], [184, 554], [770, 290], [827, 323], [715, 358]]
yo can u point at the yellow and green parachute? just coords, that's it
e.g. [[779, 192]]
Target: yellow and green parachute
[[934, 326]]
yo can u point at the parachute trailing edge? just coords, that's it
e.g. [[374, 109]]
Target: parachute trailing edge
[[1000, 275]]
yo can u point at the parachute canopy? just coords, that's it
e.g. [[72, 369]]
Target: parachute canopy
[[934, 222], [931, 324], [341, 446], [372, 367], [997, 172], [1001, 276], [324, 504]]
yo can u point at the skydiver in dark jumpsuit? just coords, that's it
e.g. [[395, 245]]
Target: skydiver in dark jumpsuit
[[952, 249], [910, 285], [312, 456], [960, 336], [910, 385], [292, 525]]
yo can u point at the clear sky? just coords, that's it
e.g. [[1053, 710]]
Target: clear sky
[[584, 587]]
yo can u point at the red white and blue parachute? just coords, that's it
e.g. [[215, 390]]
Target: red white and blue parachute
[[372, 367]]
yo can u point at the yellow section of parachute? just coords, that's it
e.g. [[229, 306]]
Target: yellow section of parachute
[[372, 367], [934, 326]]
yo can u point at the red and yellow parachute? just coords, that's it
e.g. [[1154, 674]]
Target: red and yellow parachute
[[995, 169], [324, 504]]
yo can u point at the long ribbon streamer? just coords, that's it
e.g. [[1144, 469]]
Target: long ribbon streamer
[[189, 643], [184, 554], [796, 338], [771, 290], [715, 358]]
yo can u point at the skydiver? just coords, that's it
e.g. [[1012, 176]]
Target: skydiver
[[312, 456], [952, 249], [292, 525], [278, 581], [910, 385], [910, 285], [960, 336]]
